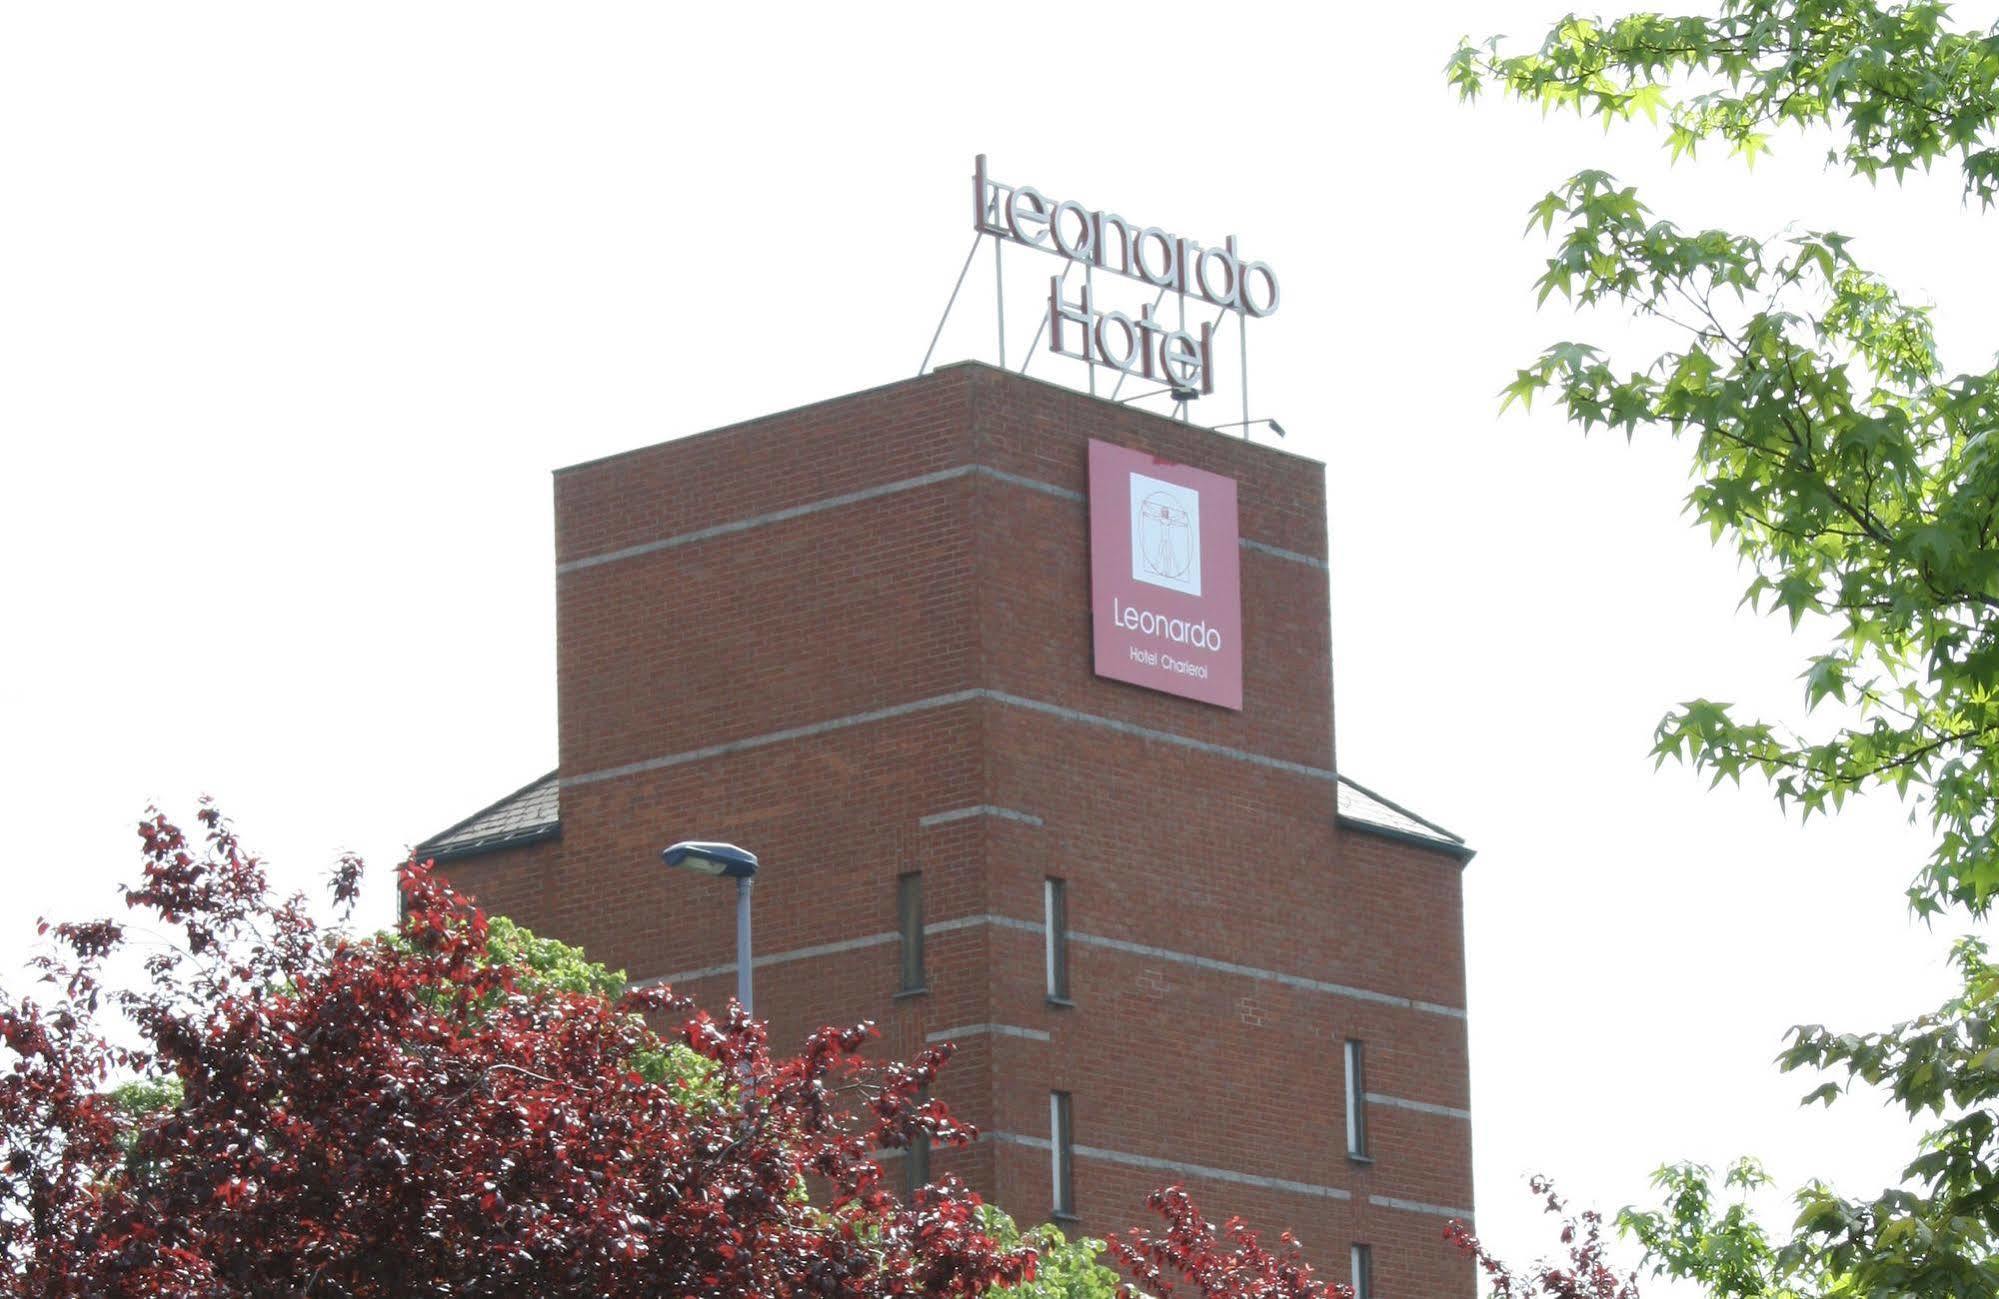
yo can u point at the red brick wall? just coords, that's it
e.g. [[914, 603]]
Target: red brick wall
[[508, 881], [687, 671]]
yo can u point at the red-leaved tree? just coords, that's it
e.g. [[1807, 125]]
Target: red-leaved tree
[[1191, 1258], [1586, 1272], [411, 1115]]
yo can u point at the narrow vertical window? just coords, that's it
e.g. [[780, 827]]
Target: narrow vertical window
[[1061, 1156], [1055, 908], [1362, 1273], [1356, 1101], [909, 918], [916, 1165]]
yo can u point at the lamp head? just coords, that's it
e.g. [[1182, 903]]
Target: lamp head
[[712, 859]]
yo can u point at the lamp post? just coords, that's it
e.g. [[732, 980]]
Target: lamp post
[[735, 863]]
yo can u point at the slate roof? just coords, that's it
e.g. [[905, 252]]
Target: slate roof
[[534, 812], [1358, 805], [529, 813]]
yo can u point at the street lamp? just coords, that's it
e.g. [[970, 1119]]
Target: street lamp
[[740, 865]]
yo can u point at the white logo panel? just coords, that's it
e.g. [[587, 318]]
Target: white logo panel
[[1165, 534]]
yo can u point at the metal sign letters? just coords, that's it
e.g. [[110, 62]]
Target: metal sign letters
[[1178, 354]]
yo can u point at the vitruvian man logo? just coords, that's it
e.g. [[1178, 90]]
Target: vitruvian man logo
[[1166, 531], [1166, 534]]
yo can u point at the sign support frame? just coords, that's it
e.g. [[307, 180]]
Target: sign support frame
[[1023, 203]]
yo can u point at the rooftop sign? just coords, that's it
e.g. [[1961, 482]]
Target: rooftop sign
[[1214, 275], [1217, 275], [1086, 318]]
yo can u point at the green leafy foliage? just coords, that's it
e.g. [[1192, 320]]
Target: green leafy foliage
[[1931, 1235], [1724, 1248], [1066, 1269], [1936, 1234], [1857, 480], [1854, 476], [1899, 85], [546, 966], [137, 1102]]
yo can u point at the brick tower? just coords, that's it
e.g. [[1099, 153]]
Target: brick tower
[[1170, 942]]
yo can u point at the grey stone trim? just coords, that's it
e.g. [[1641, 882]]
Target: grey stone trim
[[760, 520], [960, 922], [1036, 485], [1278, 552], [1164, 737], [996, 1030], [1017, 1139], [983, 809], [775, 737], [945, 701], [1064, 493], [987, 918], [760, 960], [855, 498], [1112, 944], [1052, 710], [1220, 967], [1421, 1107], [1032, 484], [774, 958], [1273, 976], [1182, 1168], [1417, 1206]]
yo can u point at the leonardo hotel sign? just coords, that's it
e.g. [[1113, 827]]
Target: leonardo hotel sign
[[1215, 277], [1165, 576]]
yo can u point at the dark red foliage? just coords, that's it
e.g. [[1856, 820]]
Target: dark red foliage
[[1586, 1274], [1191, 1258], [363, 1118]]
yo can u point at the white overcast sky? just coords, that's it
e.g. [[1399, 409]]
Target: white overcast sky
[[300, 305]]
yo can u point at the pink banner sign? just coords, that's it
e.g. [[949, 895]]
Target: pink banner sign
[[1165, 576]]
